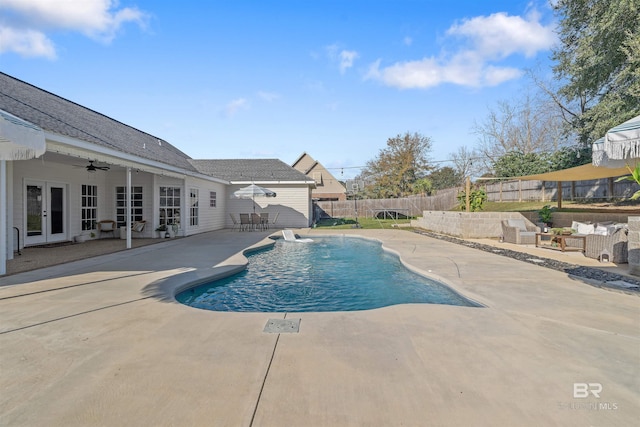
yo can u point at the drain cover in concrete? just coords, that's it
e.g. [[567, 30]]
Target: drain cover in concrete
[[282, 326]]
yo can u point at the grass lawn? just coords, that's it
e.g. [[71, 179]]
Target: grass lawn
[[368, 223]]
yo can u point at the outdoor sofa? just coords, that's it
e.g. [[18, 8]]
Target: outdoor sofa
[[604, 238]]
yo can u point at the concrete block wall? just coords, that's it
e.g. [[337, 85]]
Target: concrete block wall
[[467, 225], [564, 219], [634, 245]]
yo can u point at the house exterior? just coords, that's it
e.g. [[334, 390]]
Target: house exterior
[[328, 188], [60, 194], [292, 205]]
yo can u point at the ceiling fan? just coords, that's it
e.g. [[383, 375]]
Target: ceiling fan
[[92, 168]]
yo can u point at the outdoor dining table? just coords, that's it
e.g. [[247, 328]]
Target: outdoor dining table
[[253, 221]]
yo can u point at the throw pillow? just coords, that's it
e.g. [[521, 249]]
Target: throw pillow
[[518, 223]]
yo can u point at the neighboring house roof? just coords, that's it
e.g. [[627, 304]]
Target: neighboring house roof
[[61, 116], [247, 170], [310, 167]]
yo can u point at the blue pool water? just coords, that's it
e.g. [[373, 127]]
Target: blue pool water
[[330, 274]]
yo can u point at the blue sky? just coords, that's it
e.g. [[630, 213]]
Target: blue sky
[[273, 79]]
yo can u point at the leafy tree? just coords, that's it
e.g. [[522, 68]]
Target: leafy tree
[[423, 186], [517, 163], [445, 177], [598, 61], [569, 157], [397, 167]]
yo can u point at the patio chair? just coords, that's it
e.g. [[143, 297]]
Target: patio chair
[[107, 226], [615, 244], [264, 220], [236, 223], [256, 221], [138, 227], [519, 231], [245, 222]]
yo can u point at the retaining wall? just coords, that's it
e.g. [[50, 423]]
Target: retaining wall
[[481, 225]]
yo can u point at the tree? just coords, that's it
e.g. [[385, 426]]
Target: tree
[[466, 162], [598, 61], [517, 163], [396, 168], [423, 186], [526, 126], [445, 177], [569, 157]]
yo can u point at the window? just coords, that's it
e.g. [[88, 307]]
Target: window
[[212, 199], [121, 205], [89, 206], [317, 177], [193, 207], [170, 205]]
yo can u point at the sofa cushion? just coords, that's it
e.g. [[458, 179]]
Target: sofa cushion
[[517, 223], [583, 228]]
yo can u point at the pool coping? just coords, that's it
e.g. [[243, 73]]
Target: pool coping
[[92, 343]]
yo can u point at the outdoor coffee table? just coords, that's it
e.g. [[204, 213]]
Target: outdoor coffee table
[[561, 240]]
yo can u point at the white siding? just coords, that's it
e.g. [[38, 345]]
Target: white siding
[[292, 204], [210, 218]]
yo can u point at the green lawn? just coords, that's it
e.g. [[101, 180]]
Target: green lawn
[[368, 223]]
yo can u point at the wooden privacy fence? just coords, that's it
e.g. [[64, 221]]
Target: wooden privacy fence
[[595, 189], [505, 191], [411, 206]]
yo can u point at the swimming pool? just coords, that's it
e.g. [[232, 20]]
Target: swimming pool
[[329, 274]]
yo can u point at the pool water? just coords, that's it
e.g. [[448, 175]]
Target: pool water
[[329, 274]]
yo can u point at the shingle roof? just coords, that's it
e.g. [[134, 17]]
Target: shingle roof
[[61, 116], [249, 169]]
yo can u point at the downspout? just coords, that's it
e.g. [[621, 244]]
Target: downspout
[[4, 240]]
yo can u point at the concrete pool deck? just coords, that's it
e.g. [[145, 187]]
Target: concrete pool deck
[[101, 342]]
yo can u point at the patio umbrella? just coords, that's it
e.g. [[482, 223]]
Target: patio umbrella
[[619, 146], [251, 192], [19, 139]]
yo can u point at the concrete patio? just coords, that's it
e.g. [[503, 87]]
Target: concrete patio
[[102, 342]]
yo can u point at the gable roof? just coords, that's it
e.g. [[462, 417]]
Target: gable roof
[[248, 170], [58, 115]]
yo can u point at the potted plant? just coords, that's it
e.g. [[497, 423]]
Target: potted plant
[[162, 230], [545, 215]]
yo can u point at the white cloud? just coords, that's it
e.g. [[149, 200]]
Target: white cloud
[[232, 108], [27, 43], [347, 57], [268, 96], [500, 35], [29, 21], [487, 40], [344, 58]]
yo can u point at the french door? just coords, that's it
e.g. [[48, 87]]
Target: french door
[[45, 204]]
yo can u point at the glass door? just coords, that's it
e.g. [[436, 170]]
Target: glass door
[[45, 213]]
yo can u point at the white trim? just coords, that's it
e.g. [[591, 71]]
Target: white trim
[[77, 148]]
